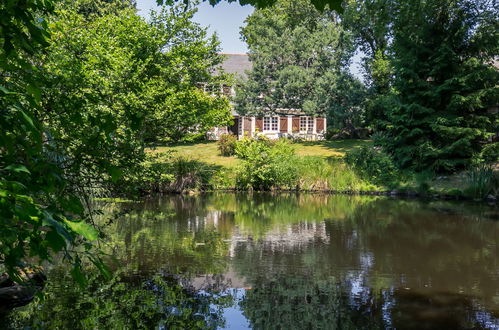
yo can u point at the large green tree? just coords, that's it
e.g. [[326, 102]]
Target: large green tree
[[300, 60], [443, 54], [76, 111]]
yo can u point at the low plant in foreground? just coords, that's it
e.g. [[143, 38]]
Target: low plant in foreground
[[317, 173]]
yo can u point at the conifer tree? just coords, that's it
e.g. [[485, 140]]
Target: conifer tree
[[445, 80]]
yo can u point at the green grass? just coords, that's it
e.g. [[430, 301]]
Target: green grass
[[320, 167], [207, 151], [329, 149]]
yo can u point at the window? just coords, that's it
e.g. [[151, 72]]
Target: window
[[306, 124], [310, 123], [303, 123], [270, 123], [227, 90]]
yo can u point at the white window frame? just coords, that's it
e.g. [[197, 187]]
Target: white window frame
[[271, 124], [306, 123]]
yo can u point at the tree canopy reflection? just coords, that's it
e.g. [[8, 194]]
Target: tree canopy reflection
[[300, 260]]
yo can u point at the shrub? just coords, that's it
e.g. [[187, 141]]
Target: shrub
[[374, 165], [266, 165], [247, 145], [227, 144], [161, 173]]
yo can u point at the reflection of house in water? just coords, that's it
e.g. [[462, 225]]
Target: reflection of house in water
[[281, 123], [295, 236]]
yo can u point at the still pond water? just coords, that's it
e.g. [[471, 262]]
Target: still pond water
[[284, 261]]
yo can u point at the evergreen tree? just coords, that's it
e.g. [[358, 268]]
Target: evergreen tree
[[444, 80]]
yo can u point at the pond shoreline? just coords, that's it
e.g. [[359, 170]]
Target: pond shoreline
[[388, 193]]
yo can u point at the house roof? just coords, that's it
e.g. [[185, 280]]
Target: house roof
[[236, 64]]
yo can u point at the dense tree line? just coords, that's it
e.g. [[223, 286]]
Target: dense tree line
[[428, 66]]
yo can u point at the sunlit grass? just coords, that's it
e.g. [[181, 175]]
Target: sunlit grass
[[207, 151]]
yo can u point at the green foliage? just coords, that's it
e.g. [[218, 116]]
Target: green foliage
[[76, 105], [490, 152], [373, 165], [41, 211], [481, 181], [294, 67], [370, 22], [443, 50], [266, 165], [319, 4], [227, 144], [319, 174], [166, 173], [187, 56]]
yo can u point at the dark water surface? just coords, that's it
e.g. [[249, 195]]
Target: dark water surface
[[285, 262]]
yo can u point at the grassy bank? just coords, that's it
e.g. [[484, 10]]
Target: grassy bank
[[316, 166]]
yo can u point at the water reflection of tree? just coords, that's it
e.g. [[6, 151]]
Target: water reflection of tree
[[383, 245], [173, 234], [126, 302], [301, 302]]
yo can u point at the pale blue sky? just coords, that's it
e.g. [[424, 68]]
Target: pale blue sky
[[225, 19]]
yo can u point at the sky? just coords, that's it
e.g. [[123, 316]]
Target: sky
[[225, 20]]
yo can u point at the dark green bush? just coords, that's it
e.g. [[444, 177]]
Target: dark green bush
[[227, 144], [374, 165]]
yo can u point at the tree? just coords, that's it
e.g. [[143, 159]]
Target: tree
[[180, 109], [75, 114], [318, 4], [39, 207], [37, 216], [370, 22], [443, 53], [300, 58]]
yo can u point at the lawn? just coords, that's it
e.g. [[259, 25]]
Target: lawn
[[207, 151]]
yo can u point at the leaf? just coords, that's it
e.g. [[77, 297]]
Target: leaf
[[35, 92], [115, 172], [101, 266], [78, 275], [5, 91], [84, 229], [55, 241], [48, 220], [28, 120], [17, 168]]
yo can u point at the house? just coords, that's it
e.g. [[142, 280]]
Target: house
[[291, 123]]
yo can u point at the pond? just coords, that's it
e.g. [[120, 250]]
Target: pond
[[284, 261]]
